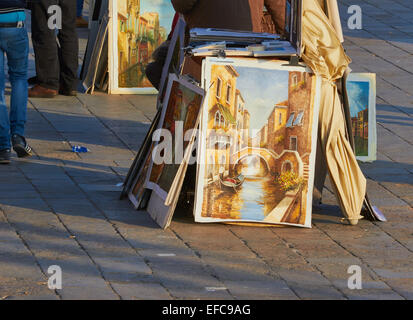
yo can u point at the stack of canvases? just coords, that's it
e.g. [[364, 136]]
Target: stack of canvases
[[255, 148], [94, 73], [253, 123]]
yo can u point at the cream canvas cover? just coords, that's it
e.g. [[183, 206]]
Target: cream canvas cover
[[324, 54]]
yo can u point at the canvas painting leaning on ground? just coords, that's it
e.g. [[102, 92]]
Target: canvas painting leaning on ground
[[136, 29], [258, 143], [178, 123], [361, 90]]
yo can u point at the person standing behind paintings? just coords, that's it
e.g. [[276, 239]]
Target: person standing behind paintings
[[80, 21], [15, 45], [56, 68], [245, 15]]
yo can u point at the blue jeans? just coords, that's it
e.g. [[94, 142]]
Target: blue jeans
[[15, 44], [79, 8]]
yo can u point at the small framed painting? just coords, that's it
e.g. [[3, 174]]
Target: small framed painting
[[361, 91], [173, 147], [258, 143], [136, 29], [177, 126]]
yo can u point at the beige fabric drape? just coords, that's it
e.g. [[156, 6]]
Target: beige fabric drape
[[330, 7], [324, 54], [322, 3], [334, 17]]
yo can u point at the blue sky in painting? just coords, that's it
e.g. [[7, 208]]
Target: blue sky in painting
[[163, 7], [358, 94], [262, 89]]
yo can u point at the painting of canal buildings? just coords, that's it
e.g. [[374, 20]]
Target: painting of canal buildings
[[361, 89], [137, 28], [258, 143]]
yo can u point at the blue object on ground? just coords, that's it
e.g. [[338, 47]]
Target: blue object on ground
[[80, 149]]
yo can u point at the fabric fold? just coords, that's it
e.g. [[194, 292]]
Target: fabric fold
[[324, 54]]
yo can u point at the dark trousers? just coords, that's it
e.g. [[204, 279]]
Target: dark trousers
[[79, 8], [154, 69], [56, 67]]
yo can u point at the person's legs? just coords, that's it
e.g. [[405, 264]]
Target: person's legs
[[4, 115], [69, 46], [45, 46], [154, 69], [17, 57], [80, 22]]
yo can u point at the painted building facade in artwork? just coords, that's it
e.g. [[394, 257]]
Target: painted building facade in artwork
[[139, 34], [228, 124], [361, 124]]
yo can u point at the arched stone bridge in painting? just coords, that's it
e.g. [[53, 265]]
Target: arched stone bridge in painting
[[287, 160]]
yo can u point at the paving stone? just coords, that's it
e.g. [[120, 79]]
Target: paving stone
[[141, 291], [402, 286], [199, 293], [260, 290], [173, 278], [371, 290], [89, 292], [123, 268], [316, 292]]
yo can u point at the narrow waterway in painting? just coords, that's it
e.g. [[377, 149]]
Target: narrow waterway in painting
[[255, 199]]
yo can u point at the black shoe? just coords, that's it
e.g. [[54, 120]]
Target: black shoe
[[32, 81], [5, 156], [67, 92], [21, 147]]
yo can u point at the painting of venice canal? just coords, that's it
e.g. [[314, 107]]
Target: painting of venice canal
[[258, 145]]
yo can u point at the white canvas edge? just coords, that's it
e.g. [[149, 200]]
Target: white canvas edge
[[131, 196], [114, 58], [132, 199], [198, 147], [248, 62], [158, 211], [171, 79], [316, 111], [371, 79]]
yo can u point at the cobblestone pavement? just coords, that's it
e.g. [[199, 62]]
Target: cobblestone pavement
[[60, 208]]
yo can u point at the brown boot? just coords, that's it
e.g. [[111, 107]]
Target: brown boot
[[81, 23], [41, 92]]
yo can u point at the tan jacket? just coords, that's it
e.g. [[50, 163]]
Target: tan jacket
[[231, 14]]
